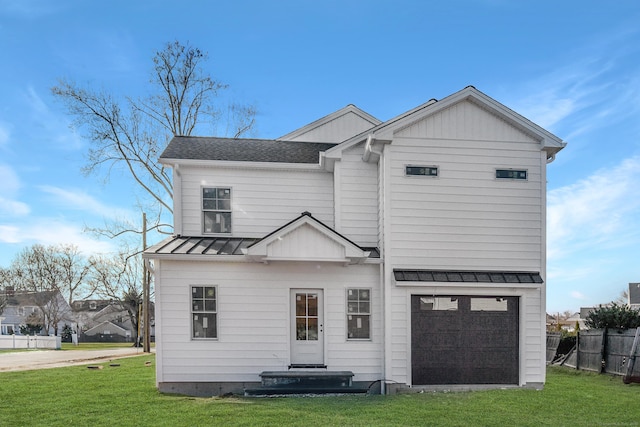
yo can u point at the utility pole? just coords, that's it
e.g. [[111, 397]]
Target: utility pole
[[146, 345]]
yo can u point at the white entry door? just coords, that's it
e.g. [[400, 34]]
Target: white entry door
[[307, 327]]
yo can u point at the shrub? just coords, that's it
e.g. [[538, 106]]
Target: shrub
[[614, 316]]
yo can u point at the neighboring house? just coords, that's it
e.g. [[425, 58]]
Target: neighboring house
[[410, 252], [21, 305], [634, 295], [104, 320]]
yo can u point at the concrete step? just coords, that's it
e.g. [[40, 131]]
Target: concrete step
[[300, 390], [305, 382], [307, 378]]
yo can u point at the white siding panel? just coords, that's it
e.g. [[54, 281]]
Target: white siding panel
[[253, 319], [358, 195], [337, 130], [305, 242], [465, 217], [465, 120], [262, 200]]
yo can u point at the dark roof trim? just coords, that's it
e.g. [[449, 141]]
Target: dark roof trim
[[466, 276]]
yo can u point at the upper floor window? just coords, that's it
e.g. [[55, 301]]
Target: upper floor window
[[216, 209], [421, 170], [511, 174]]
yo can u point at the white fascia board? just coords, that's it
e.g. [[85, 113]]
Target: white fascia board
[[194, 257], [548, 141], [242, 165], [376, 132]]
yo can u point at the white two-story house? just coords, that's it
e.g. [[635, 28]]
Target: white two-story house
[[410, 252]]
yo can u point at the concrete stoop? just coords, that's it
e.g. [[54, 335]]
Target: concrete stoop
[[305, 383]]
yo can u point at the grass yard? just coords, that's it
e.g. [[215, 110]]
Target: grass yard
[[125, 395]]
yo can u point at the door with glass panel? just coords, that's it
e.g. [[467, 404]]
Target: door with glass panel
[[307, 327]]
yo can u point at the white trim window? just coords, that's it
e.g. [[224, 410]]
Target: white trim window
[[204, 312], [216, 210], [358, 313]]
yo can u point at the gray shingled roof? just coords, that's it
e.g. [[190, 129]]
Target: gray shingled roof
[[244, 150]]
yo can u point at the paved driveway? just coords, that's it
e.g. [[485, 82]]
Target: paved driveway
[[44, 359]]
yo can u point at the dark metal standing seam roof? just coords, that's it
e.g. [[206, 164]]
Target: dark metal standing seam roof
[[244, 150], [201, 245], [466, 276], [214, 246]]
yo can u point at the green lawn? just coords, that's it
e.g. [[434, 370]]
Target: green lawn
[[125, 395]]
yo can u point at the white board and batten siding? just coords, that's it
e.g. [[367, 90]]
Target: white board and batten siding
[[356, 201], [465, 219], [254, 322], [262, 199], [337, 129]]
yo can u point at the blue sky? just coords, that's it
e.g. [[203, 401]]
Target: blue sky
[[571, 66]]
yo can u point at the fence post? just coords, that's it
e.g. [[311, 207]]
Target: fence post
[[603, 348], [627, 378], [578, 351]]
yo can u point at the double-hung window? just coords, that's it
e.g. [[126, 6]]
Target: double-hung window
[[204, 312], [216, 209], [358, 313]]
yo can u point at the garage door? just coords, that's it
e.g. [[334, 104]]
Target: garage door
[[464, 340]]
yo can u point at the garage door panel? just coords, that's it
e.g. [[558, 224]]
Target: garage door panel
[[472, 340]]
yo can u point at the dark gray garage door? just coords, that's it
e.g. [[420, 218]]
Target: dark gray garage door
[[464, 340]]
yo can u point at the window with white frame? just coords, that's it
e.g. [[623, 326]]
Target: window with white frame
[[204, 312], [216, 209], [358, 313]]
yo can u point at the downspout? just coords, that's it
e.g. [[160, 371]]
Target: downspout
[[177, 195]]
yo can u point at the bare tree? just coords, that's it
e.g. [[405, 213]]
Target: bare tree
[[118, 278], [5, 281], [73, 272], [623, 298], [132, 133], [52, 276]]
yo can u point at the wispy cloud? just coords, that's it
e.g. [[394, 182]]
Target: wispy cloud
[[81, 201], [597, 87], [9, 205], [55, 125], [578, 295], [4, 134], [47, 231], [602, 211]]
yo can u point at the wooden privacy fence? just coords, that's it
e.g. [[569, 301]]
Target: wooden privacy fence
[[614, 351]]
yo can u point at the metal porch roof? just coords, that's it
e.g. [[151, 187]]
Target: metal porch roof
[[466, 276]]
